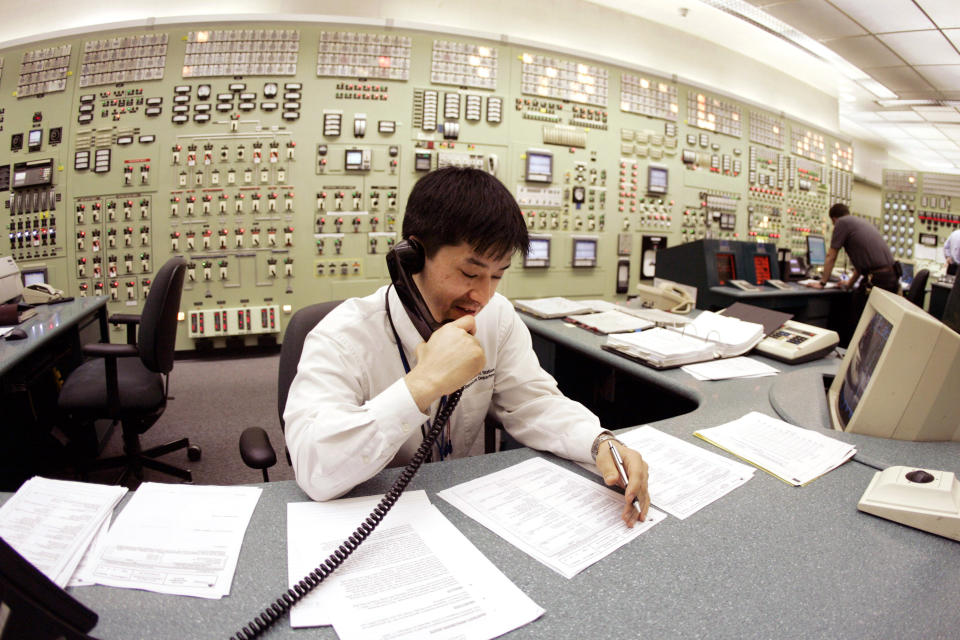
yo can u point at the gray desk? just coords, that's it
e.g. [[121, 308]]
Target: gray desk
[[768, 560], [30, 370], [52, 325]]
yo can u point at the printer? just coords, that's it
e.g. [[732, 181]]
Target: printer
[[11, 285]]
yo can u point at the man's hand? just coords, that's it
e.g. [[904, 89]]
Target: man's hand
[[451, 358], [636, 470], [814, 285], [846, 284]]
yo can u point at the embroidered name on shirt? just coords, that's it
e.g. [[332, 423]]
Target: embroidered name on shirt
[[483, 375]]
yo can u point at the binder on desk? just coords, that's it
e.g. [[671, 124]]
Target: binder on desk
[[607, 322], [14, 313], [709, 337]]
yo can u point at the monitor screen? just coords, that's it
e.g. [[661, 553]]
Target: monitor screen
[[354, 158], [761, 268], [726, 267], [584, 252], [538, 253], [539, 167], [816, 250], [796, 269], [866, 354], [34, 276], [657, 180], [907, 276]]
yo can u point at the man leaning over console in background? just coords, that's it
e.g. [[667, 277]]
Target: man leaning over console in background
[[361, 402]]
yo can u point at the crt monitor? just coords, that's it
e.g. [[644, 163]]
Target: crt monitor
[[816, 251], [898, 378], [538, 252]]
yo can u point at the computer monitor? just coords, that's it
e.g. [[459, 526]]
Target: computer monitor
[[726, 267], [907, 276], [898, 378], [538, 252], [816, 251]]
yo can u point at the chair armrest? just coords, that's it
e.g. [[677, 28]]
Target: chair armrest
[[256, 450], [132, 320], [106, 350]]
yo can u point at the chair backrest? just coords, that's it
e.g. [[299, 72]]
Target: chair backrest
[[302, 323], [158, 322], [918, 287]]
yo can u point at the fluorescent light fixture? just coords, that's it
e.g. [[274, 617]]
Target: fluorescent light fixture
[[907, 103]]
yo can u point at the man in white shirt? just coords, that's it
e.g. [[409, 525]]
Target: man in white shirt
[[361, 402], [951, 251]]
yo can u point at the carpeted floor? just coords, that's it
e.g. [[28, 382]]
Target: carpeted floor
[[213, 401]]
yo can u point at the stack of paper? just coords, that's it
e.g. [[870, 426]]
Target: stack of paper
[[561, 307], [177, 538], [416, 576], [709, 336], [793, 454], [682, 477], [560, 518], [741, 367], [613, 321], [52, 522], [659, 317]]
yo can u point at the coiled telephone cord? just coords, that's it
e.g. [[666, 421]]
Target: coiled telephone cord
[[273, 612]]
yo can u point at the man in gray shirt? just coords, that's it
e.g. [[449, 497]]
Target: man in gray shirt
[[869, 254]]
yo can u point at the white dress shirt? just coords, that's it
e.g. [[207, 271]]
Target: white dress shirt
[[951, 248], [349, 413]]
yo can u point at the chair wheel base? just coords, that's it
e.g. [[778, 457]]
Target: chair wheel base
[[193, 453]]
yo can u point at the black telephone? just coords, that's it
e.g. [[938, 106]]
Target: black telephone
[[35, 606], [406, 257]]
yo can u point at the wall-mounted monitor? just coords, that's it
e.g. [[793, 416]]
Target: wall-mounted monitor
[[726, 267], [657, 179], [584, 252], [538, 252], [898, 377], [539, 167], [356, 160], [816, 251], [33, 275]]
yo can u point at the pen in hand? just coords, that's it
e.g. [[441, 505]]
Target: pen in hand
[[618, 461]]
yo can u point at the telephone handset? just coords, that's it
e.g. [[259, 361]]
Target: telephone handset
[[666, 297], [405, 258]]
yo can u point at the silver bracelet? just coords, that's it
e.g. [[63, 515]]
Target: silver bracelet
[[603, 437]]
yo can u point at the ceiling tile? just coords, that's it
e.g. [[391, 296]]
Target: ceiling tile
[[943, 76], [952, 131], [864, 51], [942, 145], [945, 13], [816, 18], [890, 131], [900, 116], [922, 47], [864, 116], [923, 131], [939, 114], [900, 79], [883, 16], [954, 36]]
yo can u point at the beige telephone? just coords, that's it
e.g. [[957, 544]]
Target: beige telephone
[[666, 296], [40, 293]]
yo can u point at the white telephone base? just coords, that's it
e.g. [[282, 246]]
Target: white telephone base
[[920, 498]]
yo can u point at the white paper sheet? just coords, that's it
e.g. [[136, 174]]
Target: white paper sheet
[[177, 538], [793, 454], [416, 576], [683, 478], [564, 520], [51, 522], [726, 368]]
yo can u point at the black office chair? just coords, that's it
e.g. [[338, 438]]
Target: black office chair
[[918, 288], [129, 383], [255, 447]]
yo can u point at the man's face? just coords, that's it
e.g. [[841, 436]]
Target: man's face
[[457, 281]]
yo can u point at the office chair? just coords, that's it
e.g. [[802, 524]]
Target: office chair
[[918, 288], [255, 447], [129, 383]]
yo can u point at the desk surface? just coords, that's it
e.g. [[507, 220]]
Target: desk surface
[[767, 560], [51, 320]]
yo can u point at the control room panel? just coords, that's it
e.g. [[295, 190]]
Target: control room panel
[[276, 159]]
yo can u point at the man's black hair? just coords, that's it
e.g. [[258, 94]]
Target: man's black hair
[[839, 210], [450, 206]]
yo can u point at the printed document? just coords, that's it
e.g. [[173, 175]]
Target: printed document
[[415, 576], [562, 519], [683, 478], [177, 538], [793, 454], [726, 368], [51, 522]]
